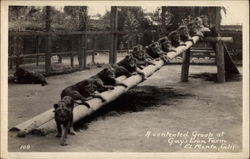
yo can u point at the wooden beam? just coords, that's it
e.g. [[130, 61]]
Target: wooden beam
[[94, 49], [15, 50], [38, 42], [72, 54], [220, 62], [48, 55], [83, 37], [48, 40], [185, 65], [84, 57], [163, 18], [11, 51], [80, 55], [218, 39], [36, 33], [217, 19], [114, 38]]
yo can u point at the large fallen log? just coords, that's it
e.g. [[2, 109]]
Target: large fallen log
[[40, 119], [82, 111], [44, 123]]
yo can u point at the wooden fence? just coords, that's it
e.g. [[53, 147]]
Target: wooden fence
[[81, 53]]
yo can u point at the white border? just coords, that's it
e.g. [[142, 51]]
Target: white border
[[243, 7]]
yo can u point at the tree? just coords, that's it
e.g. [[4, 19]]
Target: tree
[[75, 17], [16, 11], [72, 11], [131, 24], [176, 14], [137, 13]]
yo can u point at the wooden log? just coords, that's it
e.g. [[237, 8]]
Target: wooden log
[[220, 62], [181, 49], [40, 119], [32, 123], [82, 111], [185, 66]]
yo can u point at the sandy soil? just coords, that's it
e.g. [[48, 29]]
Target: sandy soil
[[159, 106]]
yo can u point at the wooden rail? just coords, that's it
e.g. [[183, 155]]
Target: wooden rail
[[218, 39], [62, 53], [42, 54], [40, 33]]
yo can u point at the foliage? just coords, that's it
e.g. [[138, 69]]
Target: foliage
[[131, 24], [16, 11], [33, 18], [176, 14], [132, 19]]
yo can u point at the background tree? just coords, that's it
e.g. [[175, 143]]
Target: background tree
[[131, 24], [176, 14], [75, 14], [16, 11]]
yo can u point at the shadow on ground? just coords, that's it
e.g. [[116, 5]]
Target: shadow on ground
[[135, 100], [213, 76]]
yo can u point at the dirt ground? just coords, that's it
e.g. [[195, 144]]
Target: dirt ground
[[159, 115]]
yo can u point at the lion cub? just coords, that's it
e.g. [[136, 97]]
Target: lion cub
[[64, 118]]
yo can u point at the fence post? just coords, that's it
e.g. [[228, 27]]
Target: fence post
[[18, 50], [72, 50], [79, 52], [38, 41], [114, 27], [185, 65], [85, 56], [219, 51], [94, 49], [49, 40], [220, 62], [15, 50], [163, 18], [82, 54]]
